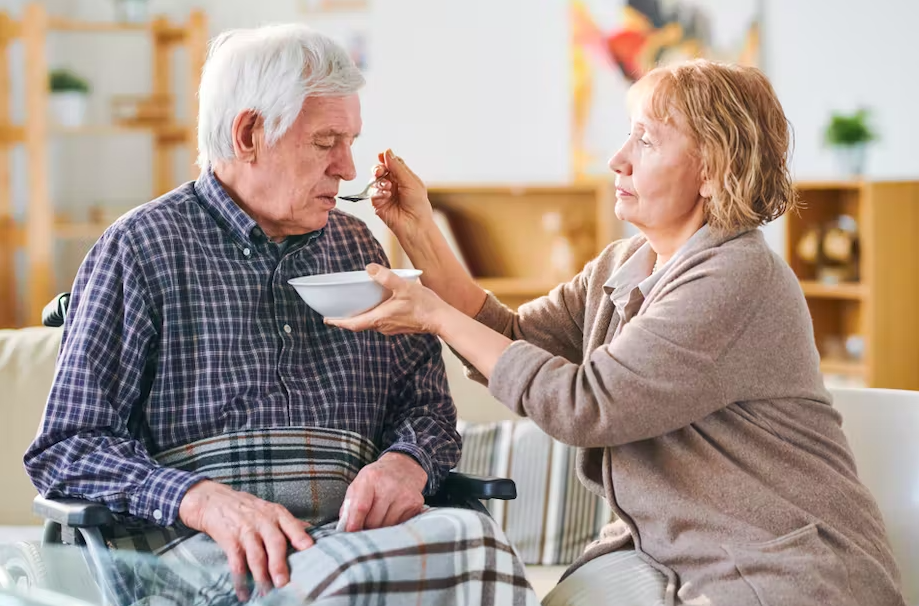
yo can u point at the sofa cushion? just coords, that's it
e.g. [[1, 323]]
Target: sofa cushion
[[27, 358], [554, 516]]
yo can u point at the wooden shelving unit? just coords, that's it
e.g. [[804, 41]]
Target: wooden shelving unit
[[500, 233], [43, 226], [881, 306]]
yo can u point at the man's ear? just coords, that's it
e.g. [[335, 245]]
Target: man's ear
[[248, 136]]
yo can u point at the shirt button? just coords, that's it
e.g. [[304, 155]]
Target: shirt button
[[157, 514], [247, 252], [288, 329]]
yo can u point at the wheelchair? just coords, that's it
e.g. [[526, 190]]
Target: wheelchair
[[83, 571]]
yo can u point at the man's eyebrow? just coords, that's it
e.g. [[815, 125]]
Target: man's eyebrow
[[331, 132]]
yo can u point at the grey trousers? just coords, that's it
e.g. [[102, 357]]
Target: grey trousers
[[616, 579]]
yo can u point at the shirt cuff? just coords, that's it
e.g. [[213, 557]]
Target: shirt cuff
[[415, 451], [159, 499]]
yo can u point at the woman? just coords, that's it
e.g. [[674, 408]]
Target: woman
[[681, 361]]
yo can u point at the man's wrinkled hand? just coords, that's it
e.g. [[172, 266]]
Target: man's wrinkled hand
[[385, 493], [252, 532]]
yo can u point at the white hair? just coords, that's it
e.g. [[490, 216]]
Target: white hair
[[270, 70]]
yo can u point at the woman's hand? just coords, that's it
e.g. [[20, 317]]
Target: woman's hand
[[400, 198], [411, 309]]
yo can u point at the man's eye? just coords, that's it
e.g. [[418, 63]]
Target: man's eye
[[323, 145]]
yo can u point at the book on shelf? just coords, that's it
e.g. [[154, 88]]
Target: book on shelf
[[442, 220]]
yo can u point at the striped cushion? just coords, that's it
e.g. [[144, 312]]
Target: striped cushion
[[554, 517]]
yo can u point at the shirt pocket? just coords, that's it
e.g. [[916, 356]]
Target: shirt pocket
[[797, 568]]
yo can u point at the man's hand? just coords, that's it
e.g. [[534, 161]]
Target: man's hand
[[252, 532], [385, 493]]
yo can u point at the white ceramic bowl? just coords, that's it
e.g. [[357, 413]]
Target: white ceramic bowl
[[347, 293]]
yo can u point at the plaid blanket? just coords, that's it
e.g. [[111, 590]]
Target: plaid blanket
[[442, 556]]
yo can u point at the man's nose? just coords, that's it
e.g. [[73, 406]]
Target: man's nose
[[343, 164]]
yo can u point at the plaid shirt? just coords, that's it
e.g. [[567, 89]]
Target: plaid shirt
[[182, 326]]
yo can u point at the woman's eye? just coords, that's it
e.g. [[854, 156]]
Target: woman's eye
[[645, 142]]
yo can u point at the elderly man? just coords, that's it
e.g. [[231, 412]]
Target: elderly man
[[196, 392]]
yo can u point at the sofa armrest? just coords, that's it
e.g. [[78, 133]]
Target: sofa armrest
[[73, 513]]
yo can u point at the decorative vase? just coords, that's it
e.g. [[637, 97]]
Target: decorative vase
[[852, 159], [68, 108], [132, 11]]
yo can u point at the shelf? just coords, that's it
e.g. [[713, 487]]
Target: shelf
[[82, 230], [10, 133], [516, 287], [848, 292], [829, 185], [63, 24], [843, 367], [579, 187], [171, 131]]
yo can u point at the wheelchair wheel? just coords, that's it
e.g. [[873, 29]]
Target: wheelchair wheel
[[23, 567], [62, 570]]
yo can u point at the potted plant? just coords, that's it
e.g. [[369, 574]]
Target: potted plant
[[132, 11], [68, 97], [850, 135]]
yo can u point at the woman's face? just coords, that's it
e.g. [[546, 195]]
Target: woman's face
[[659, 184]]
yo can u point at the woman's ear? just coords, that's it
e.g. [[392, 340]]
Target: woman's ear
[[248, 136], [706, 190]]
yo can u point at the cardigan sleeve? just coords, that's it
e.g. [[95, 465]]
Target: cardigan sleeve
[[658, 375]]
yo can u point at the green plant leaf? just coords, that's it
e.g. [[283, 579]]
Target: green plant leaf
[[64, 80], [851, 129]]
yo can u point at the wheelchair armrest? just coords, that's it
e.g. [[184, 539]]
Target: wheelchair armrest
[[73, 513], [479, 487]]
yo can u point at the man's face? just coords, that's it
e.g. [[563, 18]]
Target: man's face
[[298, 176]]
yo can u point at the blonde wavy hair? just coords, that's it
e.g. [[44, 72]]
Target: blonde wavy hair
[[743, 137]]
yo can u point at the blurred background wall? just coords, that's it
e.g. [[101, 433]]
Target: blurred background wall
[[478, 91]]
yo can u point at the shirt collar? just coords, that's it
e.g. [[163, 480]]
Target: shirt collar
[[637, 270], [221, 206], [227, 212]]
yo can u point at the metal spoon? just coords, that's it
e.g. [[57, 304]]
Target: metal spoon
[[364, 195]]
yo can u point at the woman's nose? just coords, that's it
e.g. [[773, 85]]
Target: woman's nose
[[620, 164]]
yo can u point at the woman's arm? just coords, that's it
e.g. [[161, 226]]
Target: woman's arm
[[665, 370], [554, 322], [428, 251], [414, 308], [401, 201]]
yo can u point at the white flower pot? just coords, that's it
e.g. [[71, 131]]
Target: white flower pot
[[852, 159], [132, 11], [68, 108]]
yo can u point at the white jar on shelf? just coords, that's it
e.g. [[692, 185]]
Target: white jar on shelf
[[68, 108], [132, 11]]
